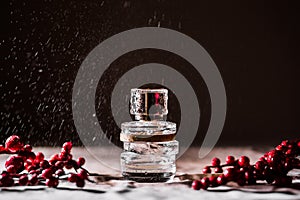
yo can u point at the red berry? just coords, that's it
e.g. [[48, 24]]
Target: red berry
[[65, 156], [13, 143], [52, 182], [250, 179], [82, 174], [285, 143], [4, 173], [258, 174], [23, 180], [33, 180], [280, 148], [268, 175], [230, 160], [67, 146], [68, 165], [11, 169], [70, 156], [288, 165], [16, 161], [30, 156], [248, 175], [243, 169], [28, 148], [215, 162], [259, 165], [229, 173], [196, 185], [272, 153], [54, 158], [218, 170], [213, 181], [6, 181], [71, 164], [39, 156], [206, 170], [240, 177], [29, 168], [32, 171], [221, 180], [244, 161], [47, 173], [59, 172], [59, 164], [2, 148], [80, 161], [80, 183], [73, 177], [205, 182], [290, 152], [39, 171], [44, 164], [275, 162], [262, 159], [241, 181]]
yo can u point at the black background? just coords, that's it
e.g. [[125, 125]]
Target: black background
[[254, 44]]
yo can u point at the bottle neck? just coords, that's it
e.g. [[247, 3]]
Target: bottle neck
[[150, 117]]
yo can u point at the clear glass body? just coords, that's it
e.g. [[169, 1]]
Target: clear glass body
[[149, 142]]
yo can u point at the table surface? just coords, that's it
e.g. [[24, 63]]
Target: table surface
[[189, 162]]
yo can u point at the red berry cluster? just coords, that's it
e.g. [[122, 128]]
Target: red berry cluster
[[29, 168], [272, 167]]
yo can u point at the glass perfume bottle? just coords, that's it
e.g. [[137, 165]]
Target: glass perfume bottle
[[149, 141]]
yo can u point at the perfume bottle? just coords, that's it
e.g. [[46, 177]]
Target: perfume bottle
[[149, 141]]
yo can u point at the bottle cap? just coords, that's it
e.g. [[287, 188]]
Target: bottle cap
[[149, 104]]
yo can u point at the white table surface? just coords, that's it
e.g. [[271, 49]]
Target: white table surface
[[188, 163]]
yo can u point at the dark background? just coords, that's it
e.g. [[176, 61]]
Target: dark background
[[253, 43]]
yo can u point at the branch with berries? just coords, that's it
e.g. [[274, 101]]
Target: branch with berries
[[24, 167], [272, 168]]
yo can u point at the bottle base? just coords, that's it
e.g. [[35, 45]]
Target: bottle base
[[149, 177]]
